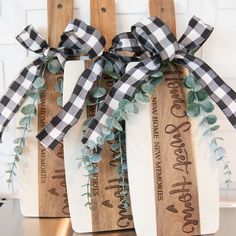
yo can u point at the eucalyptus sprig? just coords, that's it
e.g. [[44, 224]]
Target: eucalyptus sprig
[[29, 111], [199, 104]]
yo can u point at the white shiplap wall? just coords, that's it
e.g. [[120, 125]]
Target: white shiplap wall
[[219, 51]]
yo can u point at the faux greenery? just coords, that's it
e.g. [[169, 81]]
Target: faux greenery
[[200, 105], [29, 111], [114, 133]]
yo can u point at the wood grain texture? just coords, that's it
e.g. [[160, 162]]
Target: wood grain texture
[[174, 166], [165, 10], [103, 18], [53, 200], [108, 213]]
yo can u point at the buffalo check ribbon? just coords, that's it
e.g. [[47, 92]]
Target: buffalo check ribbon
[[56, 129], [77, 39], [153, 38]]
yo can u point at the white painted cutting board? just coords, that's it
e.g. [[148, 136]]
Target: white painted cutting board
[[141, 176], [81, 217], [28, 167], [106, 214]]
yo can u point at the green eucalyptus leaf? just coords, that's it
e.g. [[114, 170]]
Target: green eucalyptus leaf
[[156, 80], [148, 88], [122, 104], [17, 150], [117, 114], [189, 82], [54, 66], [201, 95], [113, 75], [93, 170], [117, 125], [108, 67], [123, 115], [106, 131], [211, 129], [190, 97], [115, 146], [109, 137], [142, 98], [211, 119], [91, 144], [98, 92], [59, 86], [100, 140], [60, 101], [25, 120], [131, 108], [109, 122], [193, 110], [95, 158], [19, 140], [32, 94], [29, 109], [207, 106], [157, 74], [39, 82]]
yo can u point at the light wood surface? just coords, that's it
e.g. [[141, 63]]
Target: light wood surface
[[175, 177], [52, 187], [103, 18]]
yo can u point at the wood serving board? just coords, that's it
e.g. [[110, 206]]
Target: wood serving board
[[107, 213], [176, 187], [42, 170]]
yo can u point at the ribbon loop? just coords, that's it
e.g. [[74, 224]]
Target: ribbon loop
[[195, 35], [156, 37], [32, 40]]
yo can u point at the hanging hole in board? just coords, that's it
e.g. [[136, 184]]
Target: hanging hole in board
[[59, 6], [103, 9]]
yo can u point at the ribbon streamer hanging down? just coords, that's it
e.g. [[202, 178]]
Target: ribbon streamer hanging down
[[162, 46], [78, 38]]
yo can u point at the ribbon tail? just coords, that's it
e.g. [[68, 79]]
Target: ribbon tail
[[122, 89], [221, 93], [14, 97], [70, 113]]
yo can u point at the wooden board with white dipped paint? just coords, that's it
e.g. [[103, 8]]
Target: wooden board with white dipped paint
[[107, 214], [42, 175], [178, 182], [142, 188]]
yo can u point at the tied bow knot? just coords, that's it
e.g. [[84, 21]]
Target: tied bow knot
[[78, 38]]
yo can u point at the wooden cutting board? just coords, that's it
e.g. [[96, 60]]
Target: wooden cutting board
[[42, 175], [107, 214], [176, 187]]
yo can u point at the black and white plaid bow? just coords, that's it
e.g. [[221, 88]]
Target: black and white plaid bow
[[78, 38], [56, 129], [153, 38]]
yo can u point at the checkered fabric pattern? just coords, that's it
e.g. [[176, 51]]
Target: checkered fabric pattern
[[161, 45], [54, 132], [77, 38]]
